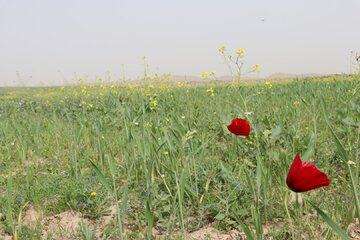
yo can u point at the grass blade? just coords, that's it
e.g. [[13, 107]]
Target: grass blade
[[102, 178], [344, 154], [330, 222], [338, 144], [249, 234]]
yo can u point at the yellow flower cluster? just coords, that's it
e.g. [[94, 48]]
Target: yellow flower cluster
[[222, 49], [256, 67], [296, 103], [204, 74], [268, 84], [153, 104], [240, 51], [211, 91]]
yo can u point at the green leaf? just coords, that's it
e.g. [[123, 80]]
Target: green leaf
[[350, 215], [275, 133], [220, 216], [344, 154], [310, 148], [112, 168], [247, 231], [350, 122], [225, 171], [102, 178], [339, 146], [330, 222]]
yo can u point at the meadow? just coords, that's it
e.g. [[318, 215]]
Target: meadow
[[156, 161]]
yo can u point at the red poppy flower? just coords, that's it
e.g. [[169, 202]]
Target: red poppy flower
[[240, 127], [304, 176]]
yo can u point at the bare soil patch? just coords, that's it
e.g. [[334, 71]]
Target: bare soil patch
[[66, 226]]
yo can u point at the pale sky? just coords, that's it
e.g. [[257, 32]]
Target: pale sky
[[57, 42]]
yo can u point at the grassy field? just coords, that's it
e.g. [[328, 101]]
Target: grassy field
[[153, 161]]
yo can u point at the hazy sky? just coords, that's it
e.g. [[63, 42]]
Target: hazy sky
[[55, 42]]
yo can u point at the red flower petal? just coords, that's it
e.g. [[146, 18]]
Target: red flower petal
[[304, 176], [240, 127]]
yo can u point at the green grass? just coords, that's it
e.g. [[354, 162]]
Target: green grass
[[172, 165]]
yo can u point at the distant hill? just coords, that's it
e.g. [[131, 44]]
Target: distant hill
[[291, 76], [196, 80], [275, 76]]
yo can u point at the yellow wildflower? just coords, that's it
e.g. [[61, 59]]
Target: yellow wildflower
[[268, 84], [153, 104], [93, 194], [83, 90], [211, 91], [256, 67], [240, 51], [222, 49], [351, 162], [204, 74], [267, 133]]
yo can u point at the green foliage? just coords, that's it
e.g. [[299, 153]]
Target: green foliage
[[174, 167]]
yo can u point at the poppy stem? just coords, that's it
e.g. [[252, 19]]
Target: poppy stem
[[235, 149], [286, 205], [297, 200], [288, 212]]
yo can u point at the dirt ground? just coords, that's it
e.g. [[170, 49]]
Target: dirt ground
[[66, 226]]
